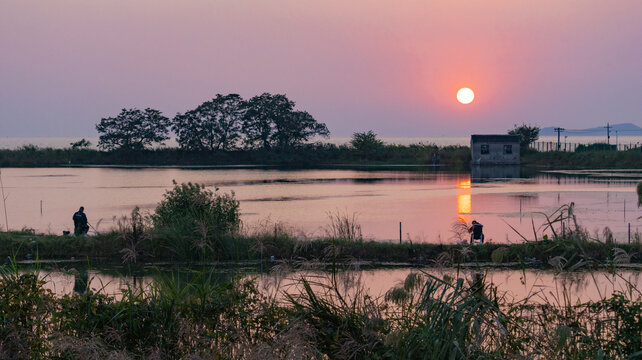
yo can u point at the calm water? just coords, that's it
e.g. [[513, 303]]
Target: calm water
[[540, 285], [427, 203]]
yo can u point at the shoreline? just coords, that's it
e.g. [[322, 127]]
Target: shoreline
[[563, 253], [310, 156]]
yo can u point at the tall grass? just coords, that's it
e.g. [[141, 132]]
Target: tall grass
[[343, 226], [195, 316]]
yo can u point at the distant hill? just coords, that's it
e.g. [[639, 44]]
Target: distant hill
[[626, 129]]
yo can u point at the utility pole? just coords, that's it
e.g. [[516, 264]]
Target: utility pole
[[608, 133], [559, 130]]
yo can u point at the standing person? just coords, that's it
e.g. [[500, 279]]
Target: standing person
[[81, 225]]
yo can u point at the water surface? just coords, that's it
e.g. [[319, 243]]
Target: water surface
[[539, 286], [427, 203]]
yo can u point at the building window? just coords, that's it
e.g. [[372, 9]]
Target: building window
[[508, 149], [484, 149]]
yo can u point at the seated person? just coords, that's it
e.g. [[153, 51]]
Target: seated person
[[476, 232]]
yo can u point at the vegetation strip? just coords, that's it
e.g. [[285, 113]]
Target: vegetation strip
[[200, 318]]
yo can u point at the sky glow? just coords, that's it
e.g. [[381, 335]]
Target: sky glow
[[360, 65]]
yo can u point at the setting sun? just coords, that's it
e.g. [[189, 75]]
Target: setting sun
[[465, 95]]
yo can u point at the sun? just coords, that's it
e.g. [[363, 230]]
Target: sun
[[465, 95]]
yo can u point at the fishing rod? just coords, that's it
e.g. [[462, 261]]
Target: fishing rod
[[93, 228]]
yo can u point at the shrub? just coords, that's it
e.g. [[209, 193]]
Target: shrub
[[196, 218]]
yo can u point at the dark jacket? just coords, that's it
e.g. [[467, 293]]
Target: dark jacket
[[476, 229], [79, 218]]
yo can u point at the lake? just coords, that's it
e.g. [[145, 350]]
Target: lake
[[427, 203]]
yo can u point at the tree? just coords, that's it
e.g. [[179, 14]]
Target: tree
[[133, 129], [366, 143], [527, 134], [295, 128], [262, 113], [80, 144], [213, 125]]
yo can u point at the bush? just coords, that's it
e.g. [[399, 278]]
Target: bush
[[595, 147], [196, 218]]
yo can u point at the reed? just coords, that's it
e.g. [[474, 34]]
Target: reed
[[344, 226], [194, 315]]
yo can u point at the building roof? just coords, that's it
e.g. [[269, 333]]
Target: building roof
[[495, 138]]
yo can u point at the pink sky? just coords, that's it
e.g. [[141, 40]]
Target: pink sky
[[390, 66]]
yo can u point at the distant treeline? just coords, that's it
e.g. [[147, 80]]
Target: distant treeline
[[588, 158], [317, 154], [369, 152]]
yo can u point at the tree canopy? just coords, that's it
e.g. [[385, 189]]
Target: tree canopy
[[132, 129], [80, 144], [270, 121], [366, 143], [265, 121], [213, 125], [297, 127], [262, 113], [527, 134]]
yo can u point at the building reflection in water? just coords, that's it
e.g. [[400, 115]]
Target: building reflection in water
[[480, 173]]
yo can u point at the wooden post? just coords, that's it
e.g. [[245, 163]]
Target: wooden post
[[629, 233], [399, 232], [40, 207]]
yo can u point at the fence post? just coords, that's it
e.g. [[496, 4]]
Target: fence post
[[399, 232]]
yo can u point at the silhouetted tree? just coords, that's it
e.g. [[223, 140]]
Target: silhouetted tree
[[80, 144], [270, 121], [366, 143], [295, 128], [132, 129], [262, 113], [527, 134], [213, 125]]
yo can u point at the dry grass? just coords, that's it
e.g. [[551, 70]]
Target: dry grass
[[343, 226]]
